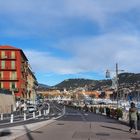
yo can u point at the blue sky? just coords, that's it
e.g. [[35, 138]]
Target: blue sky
[[73, 38]]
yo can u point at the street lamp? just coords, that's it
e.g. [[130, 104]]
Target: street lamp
[[115, 80], [117, 83]]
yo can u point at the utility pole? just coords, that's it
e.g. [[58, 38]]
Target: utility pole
[[116, 79], [117, 83]]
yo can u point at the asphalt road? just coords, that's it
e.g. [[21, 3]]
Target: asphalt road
[[55, 111], [78, 125]]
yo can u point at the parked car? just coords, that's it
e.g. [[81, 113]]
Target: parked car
[[31, 109]]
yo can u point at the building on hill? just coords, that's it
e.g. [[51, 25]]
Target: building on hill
[[14, 71], [91, 93], [49, 93]]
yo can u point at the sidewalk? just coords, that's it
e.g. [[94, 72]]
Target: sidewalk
[[77, 125], [11, 133], [106, 125]]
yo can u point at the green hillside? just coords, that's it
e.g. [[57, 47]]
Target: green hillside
[[126, 78], [74, 83]]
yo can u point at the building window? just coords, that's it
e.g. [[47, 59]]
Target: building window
[[13, 54], [3, 64], [2, 54], [13, 75], [12, 85], [13, 64], [1, 74], [1, 84]]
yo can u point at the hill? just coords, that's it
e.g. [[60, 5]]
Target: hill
[[129, 78], [43, 86], [74, 83], [124, 78]]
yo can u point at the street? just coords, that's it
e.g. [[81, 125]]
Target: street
[[78, 125], [55, 111]]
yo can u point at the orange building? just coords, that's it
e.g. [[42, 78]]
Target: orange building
[[92, 93], [13, 70]]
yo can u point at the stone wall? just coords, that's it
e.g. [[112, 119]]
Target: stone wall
[[6, 103]]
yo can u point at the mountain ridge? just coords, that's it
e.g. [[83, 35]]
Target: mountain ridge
[[81, 82], [124, 78]]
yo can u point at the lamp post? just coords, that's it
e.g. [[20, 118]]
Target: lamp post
[[117, 84], [115, 80]]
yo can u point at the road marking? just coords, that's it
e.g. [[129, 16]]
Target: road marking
[[86, 114]]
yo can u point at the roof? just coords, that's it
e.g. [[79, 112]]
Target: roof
[[7, 47]]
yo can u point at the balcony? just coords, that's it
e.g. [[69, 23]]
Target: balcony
[[7, 57], [7, 68], [8, 79]]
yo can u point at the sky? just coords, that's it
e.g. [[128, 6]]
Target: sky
[[65, 39]]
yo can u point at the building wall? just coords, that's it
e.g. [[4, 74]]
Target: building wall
[[95, 93], [31, 86], [108, 94], [6, 103], [50, 92], [20, 80]]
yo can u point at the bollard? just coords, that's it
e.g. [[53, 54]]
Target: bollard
[[47, 111], [24, 116], [64, 110], [39, 112], [104, 110], [44, 112], [1, 116], [97, 110], [34, 115], [12, 118], [125, 116]]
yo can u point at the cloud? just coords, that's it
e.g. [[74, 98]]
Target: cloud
[[117, 39], [41, 17], [46, 63], [94, 54]]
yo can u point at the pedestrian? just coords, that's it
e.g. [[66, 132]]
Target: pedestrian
[[91, 109], [133, 117], [108, 111], [86, 108]]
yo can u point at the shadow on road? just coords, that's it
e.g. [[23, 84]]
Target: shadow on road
[[28, 133], [5, 133], [114, 128], [135, 138]]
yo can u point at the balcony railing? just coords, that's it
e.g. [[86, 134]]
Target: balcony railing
[[7, 68], [8, 57], [8, 79]]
